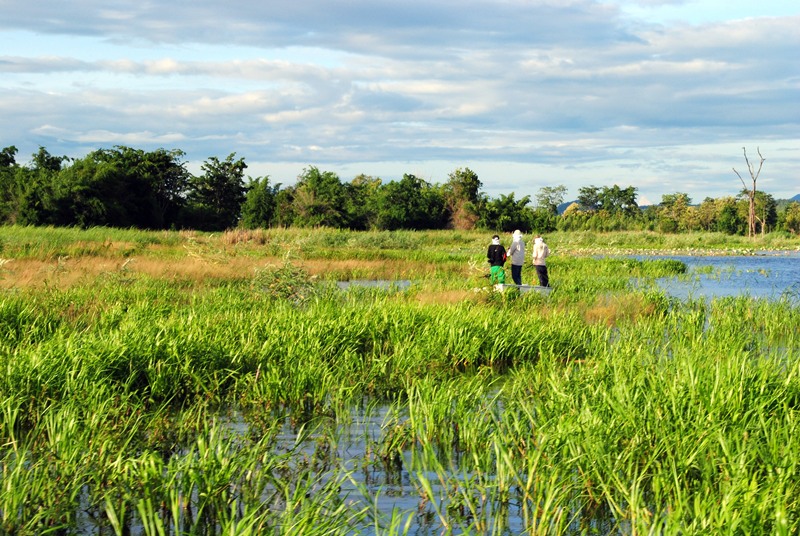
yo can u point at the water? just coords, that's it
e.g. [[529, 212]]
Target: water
[[770, 275], [392, 486], [384, 284]]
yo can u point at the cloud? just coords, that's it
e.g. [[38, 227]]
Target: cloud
[[534, 92]]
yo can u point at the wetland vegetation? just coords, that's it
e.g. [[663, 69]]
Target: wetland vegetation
[[170, 383]]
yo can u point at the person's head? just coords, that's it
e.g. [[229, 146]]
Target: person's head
[[517, 235], [495, 239], [539, 239]]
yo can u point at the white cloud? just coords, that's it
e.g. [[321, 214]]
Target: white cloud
[[526, 93]]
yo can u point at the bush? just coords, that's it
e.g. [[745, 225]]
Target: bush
[[286, 282]]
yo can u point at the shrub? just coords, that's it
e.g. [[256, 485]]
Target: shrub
[[286, 282]]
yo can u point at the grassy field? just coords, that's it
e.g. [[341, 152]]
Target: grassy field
[[65, 257], [149, 379]]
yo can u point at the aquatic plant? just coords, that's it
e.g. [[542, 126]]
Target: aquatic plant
[[135, 402]]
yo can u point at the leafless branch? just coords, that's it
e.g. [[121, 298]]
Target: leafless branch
[[740, 178]]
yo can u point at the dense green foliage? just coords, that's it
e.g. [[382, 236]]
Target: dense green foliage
[[125, 187]]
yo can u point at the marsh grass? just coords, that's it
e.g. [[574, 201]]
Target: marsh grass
[[613, 309], [639, 242], [66, 257], [152, 401]]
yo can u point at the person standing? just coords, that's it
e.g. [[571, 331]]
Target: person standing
[[540, 253], [496, 255], [517, 253]]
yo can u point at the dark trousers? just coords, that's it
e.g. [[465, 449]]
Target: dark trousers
[[541, 273], [516, 274]]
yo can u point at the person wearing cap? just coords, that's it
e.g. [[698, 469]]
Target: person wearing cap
[[540, 253], [496, 255], [517, 253]]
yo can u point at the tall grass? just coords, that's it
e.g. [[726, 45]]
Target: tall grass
[[133, 403], [649, 435]]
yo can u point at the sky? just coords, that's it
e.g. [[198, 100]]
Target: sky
[[663, 95]]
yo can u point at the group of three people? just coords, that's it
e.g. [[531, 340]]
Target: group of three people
[[497, 256]]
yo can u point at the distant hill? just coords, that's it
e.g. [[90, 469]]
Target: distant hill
[[563, 206], [795, 198]]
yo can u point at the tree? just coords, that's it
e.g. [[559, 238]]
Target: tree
[[751, 193], [589, 198], [541, 220], [728, 219], [118, 187], [707, 214], [82, 194], [673, 212], [89, 192], [550, 197], [791, 217], [216, 197], [165, 175], [573, 218], [150, 187], [9, 196], [44, 161], [764, 207], [609, 203], [319, 199], [258, 209], [8, 157], [410, 203], [506, 214], [284, 207], [616, 200], [463, 198], [361, 205]]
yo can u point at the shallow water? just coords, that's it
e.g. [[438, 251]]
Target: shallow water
[[771, 275], [385, 284]]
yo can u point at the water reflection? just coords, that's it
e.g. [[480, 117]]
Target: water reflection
[[770, 275], [355, 444]]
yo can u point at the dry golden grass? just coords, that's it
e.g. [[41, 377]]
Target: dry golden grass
[[610, 310], [443, 297], [108, 248], [194, 268], [257, 237], [68, 272], [347, 269], [24, 273]]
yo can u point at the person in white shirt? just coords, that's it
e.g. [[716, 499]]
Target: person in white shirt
[[540, 253], [517, 253]]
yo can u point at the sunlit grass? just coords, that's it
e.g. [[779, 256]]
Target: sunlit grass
[[207, 383]]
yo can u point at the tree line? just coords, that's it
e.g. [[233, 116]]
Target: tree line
[[128, 187]]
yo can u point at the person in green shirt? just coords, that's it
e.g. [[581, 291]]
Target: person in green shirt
[[496, 255]]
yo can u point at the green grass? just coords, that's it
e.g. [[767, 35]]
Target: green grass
[[161, 405]]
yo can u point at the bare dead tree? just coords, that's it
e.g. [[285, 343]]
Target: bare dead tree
[[751, 193]]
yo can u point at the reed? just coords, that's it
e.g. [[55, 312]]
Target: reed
[[140, 403]]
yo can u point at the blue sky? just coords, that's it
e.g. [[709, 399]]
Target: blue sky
[[660, 95]]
